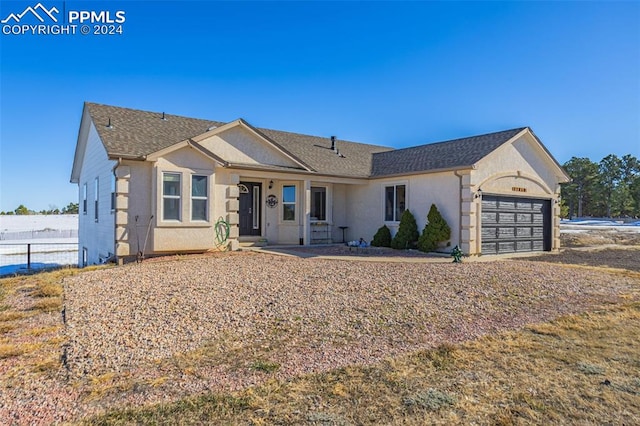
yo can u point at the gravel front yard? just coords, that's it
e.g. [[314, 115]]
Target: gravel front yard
[[163, 329]]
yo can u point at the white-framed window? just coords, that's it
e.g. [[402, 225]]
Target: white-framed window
[[199, 197], [395, 202], [171, 196], [288, 203], [319, 203], [95, 199], [84, 199], [113, 193]]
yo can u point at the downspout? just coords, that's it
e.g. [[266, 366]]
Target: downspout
[[455, 172]]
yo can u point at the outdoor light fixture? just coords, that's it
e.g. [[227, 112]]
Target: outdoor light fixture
[[270, 184], [478, 194]]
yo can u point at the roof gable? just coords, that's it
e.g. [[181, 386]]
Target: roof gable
[[238, 142], [81, 146], [533, 153]]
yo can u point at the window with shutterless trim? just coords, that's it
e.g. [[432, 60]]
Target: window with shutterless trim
[[199, 197], [288, 203], [171, 196], [394, 202]]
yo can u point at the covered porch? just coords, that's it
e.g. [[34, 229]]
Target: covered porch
[[275, 208]]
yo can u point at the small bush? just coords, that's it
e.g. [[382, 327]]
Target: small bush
[[265, 366], [435, 231], [407, 234], [590, 369], [382, 238], [432, 400]]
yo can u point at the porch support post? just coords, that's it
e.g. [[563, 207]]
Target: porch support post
[[306, 208]]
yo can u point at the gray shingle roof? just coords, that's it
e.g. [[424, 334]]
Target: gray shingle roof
[[135, 134], [457, 153], [354, 159]]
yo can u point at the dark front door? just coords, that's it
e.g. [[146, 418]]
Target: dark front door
[[250, 196]]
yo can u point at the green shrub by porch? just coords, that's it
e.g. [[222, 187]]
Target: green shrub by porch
[[435, 231], [407, 234], [382, 238]]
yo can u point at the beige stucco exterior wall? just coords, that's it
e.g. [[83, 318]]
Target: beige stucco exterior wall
[[518, 169], [185, 234], [365, 203], [339, 210], [239, 145]]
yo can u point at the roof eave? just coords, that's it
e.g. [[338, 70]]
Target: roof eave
[[259, 134], [563, 172], [277, 145], [75, 168], [118, 156], [422, 172], [266, 168]]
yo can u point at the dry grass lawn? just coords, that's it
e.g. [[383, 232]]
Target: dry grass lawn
[[31, 296]]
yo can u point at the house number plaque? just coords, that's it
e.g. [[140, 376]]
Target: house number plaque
[[272, 201]]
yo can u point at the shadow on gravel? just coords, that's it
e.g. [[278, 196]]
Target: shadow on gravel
[[628, 258]]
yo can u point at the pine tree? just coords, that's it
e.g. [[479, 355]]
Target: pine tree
[[382, 238], [21, 210], [435, 231], [407, 234]]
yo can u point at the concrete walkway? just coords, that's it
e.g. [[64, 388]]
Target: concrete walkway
[[294, 251]]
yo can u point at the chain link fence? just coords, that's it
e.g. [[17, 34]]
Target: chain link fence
[[42, 233], [26, 257]]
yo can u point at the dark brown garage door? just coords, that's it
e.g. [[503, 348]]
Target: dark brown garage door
[[513, 224]]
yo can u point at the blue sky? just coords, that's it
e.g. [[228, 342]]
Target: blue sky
[[388, 73]]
